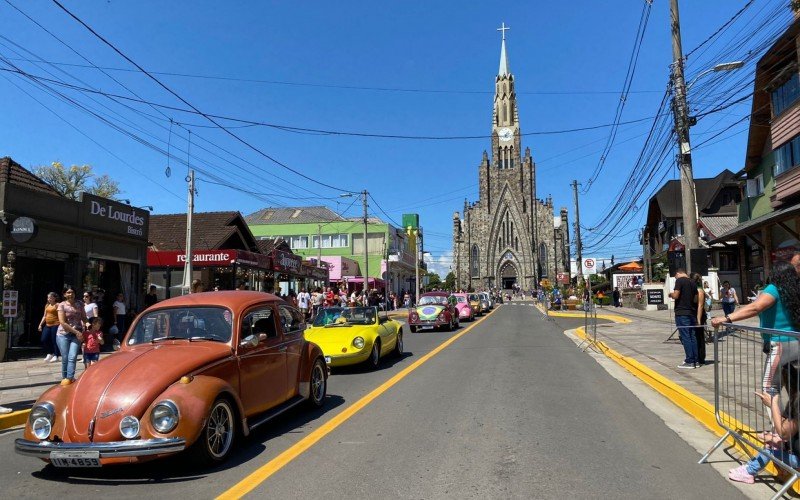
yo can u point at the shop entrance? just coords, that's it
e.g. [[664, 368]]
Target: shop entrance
[[35, 279]]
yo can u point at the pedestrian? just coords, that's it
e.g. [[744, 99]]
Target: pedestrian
[[778, 308], [92, 340], [120, 315], [709, 298], [406, 300], [782, 441], [700, 329], [303, 302], [795, 261], [728, 298], [49, 328], [615, 297], [71, 318], [151, 298], [90, 306], [685, 296]]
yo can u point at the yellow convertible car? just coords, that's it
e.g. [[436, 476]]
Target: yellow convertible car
[[352, 335]]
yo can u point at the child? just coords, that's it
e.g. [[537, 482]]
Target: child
[[92, 340], [782, 443]]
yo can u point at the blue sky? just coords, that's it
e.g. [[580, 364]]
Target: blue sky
[[394, 68]]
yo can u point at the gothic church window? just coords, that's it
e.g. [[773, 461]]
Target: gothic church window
[[474, 264], [543, 257], [516, 243]]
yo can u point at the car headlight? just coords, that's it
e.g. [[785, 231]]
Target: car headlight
[[42, 410], [164, 416], [358, 342], [129, 427], [442, 316], [41, 428]]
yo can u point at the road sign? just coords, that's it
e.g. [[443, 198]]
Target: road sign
[[10, 301], [589, 266], [563, 278]]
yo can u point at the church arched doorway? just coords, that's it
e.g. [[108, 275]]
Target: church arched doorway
[[508, 275]]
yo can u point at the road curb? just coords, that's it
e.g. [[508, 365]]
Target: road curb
[[13, 419]]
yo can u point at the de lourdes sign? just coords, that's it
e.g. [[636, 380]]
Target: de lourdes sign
[[109, 215]]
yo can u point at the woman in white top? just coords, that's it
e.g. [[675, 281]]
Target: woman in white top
[[120, 315], [90, 306]]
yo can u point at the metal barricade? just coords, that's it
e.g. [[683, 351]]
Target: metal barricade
[[757, 395], [589, 325]]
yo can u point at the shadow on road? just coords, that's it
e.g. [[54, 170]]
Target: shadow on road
[[180, 468]]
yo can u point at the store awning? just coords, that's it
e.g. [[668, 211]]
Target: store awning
[[754, 224], [359, 279]]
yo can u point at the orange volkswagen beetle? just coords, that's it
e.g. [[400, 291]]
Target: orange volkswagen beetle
[[192, 372]]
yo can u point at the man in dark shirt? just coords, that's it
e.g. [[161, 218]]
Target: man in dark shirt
[[685, 296]]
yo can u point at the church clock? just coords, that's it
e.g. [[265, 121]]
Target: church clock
[[505, 134]]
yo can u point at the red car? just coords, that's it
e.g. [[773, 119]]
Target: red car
[[193, 373], [433, 310]]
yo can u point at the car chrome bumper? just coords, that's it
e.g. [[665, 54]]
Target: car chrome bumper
[[130, 448]]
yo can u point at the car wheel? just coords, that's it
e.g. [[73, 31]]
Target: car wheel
[[318, 385], [413, 328], [398, 346], [449, 326], [375, 355], [216, 440]]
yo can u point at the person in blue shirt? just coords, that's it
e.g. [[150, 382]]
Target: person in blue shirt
[[778, 308]]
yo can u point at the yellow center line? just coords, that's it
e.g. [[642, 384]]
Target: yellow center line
[[261, 474]]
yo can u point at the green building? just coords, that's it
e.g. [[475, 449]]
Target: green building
[[389, 250]]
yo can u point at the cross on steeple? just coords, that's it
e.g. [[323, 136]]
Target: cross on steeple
[[502, 29]]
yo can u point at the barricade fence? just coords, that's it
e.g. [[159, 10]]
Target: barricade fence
[[757, 395], [589, 325]]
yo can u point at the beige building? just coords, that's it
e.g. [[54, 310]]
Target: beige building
[[508, 237]]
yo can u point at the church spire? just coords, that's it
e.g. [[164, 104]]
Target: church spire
[[503, 71]]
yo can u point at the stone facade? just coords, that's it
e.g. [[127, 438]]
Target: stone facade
[[509, 236]]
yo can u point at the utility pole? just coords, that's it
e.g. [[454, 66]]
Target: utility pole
[[187, 265], [417, 234], [366, 247], [681, 113], [578, 245], [645, 256]]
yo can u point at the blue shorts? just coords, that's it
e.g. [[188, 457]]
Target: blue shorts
[[91, 356]]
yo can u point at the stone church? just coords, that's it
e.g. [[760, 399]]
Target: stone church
[[509, 236]]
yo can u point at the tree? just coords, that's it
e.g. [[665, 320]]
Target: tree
[[450, 281], [434, 281], [71, 181]]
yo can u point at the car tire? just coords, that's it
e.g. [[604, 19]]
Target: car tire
[[413, 328], [449, 327], [375, 356], [398, 346], [218, 435], [318, 385]]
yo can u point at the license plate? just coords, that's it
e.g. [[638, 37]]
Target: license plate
[[328, 359], [75, 458], [426, 328]]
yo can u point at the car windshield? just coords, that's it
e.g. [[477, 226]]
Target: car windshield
[[460, 299], [433, 299], [191, 323], [346, 316], [474, 298]]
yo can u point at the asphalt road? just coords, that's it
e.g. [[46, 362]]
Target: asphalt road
[[511, 409]]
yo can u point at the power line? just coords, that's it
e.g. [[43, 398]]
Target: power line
[[316, 131], [209, 118]]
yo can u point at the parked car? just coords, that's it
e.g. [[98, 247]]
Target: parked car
[[433, 310], [352, 335], [484, 302], [193, 372], [463, 307], [475, 304], [489, 299]]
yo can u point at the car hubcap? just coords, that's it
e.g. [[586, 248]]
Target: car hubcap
[[318, 383], [220, 430]]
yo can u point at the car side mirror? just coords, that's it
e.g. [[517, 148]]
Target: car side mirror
[[249, 341]]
